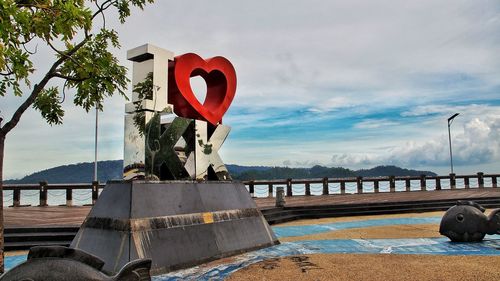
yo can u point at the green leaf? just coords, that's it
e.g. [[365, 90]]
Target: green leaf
[[144, 89], [93, 71], [47, 102]]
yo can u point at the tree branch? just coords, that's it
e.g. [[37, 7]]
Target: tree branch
[[104, 6], [38, 88], [28, 40], [62, 54], [7, 73], [70, 78], [55, 49], [29, 52], [25, 105]]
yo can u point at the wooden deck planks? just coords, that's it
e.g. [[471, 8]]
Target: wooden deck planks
[[74, 216], [382, 197], [45, 216]]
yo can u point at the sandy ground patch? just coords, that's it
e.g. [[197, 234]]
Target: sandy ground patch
[[374, 232], [16, 253], [358, 218], [374, 267]]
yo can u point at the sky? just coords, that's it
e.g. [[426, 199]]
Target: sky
[[337, 83]]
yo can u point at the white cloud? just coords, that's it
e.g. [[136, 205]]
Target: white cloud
[[354, 159], [335, 53], [445, 110], [328, 57], [375, 124], [476, 143], [300, 164], [335, 103]]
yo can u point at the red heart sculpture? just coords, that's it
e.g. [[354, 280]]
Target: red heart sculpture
[[220, 77]]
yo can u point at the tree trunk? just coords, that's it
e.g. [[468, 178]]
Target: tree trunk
[[2, 143]]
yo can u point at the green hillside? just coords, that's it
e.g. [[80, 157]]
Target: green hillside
[[112, 169], [76, 173]]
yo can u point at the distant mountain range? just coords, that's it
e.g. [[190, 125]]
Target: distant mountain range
[[76, 173], [112, 169]]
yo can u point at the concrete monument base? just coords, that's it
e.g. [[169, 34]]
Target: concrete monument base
[[176, 224]]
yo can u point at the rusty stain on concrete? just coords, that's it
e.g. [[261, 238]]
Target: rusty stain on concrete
[[208, 217], [164, 222]]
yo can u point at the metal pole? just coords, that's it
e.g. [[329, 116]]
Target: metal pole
[[450, 120], [95, 147], [451, 154]]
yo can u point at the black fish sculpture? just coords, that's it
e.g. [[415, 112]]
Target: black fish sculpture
[[57, 263], [466, 222]]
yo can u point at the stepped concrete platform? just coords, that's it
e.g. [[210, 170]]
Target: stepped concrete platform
[[74, 216], [176, 224]]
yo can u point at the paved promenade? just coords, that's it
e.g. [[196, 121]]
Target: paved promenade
[[74, 216]]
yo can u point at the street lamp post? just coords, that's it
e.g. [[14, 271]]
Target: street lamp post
[[95, 147], [450, 120]]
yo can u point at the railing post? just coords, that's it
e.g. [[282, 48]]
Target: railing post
[[289, 187], [392, 184], [453, 181], [342, 187], [95, 191], [359, 184], [251, 188], [438, 183], [270, 190], [43, 194], [494, 181], [325, 186], [375, 186], [308, 189], [480, 179], [408, 184], [466, 183], [16, 197], [69, 197], [423, 184]]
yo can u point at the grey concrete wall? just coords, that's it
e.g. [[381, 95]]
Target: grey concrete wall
[[176, 224]]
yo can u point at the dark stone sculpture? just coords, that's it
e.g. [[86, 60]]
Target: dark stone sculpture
[[466, 222], [280, 197], [59, 263]]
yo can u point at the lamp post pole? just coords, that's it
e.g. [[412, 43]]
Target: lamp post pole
[[95, 147], [450, 120]]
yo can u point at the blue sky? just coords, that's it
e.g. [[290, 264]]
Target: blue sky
[[338, 83]]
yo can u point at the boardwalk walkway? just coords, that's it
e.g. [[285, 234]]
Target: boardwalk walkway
[[74, 216]]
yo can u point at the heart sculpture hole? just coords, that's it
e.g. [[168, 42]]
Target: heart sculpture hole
[[199, 87], [216, 87]]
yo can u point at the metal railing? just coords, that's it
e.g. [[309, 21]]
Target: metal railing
[[43, 189], [359, 185], [293, 187]]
